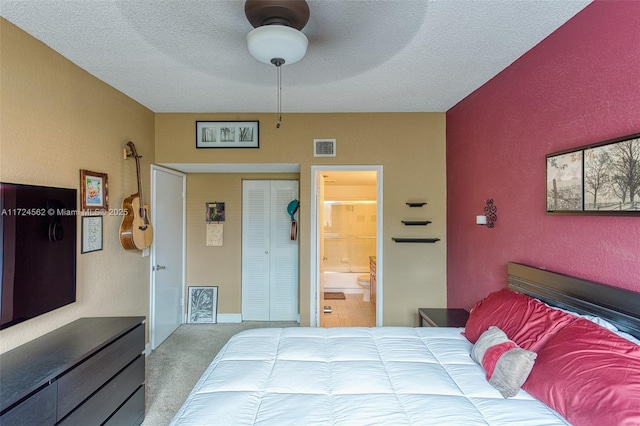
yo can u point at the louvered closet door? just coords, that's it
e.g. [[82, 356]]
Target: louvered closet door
[[256, 204], [283, 288], [269, 257]]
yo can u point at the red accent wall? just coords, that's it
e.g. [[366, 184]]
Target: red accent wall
[[578, 86]]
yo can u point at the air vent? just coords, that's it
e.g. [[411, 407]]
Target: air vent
[[324, 147]]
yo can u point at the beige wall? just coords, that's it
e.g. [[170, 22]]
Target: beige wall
[[409, 146], [55, 120], [218, 266]]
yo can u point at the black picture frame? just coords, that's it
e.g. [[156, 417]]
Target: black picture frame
[[227, 134], [92, 234], [598, 179], [214, 211]]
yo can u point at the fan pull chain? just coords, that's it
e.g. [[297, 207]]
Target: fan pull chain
[[279, 96], [278, 62]]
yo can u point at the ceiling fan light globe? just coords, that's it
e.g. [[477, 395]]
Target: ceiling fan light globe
[[277, 41]]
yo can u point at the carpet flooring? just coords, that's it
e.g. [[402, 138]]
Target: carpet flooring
[[176, 365]]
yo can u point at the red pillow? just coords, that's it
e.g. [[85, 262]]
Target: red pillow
[[589, 375], [524, 320]]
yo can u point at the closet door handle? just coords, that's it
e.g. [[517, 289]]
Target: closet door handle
[[266, 252]]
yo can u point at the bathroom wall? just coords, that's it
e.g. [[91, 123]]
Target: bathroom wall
[[349, 236]]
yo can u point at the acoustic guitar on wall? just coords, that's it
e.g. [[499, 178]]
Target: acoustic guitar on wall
[[135, 231]]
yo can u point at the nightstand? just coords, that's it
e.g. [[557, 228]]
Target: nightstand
[[442, 317]]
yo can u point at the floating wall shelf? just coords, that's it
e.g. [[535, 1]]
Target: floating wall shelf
[[414, 240], [417, 204], [416, 222]]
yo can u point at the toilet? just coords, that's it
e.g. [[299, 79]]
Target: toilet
[[363, 281]]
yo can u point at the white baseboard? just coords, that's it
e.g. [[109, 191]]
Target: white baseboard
[[229, 318], [147, 349], [236, 318]]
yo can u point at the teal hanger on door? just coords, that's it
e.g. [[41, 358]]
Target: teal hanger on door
[[292, 208]]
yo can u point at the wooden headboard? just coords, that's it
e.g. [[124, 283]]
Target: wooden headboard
[[619, 306]]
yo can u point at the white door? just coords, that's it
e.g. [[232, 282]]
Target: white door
[[269, 256], [167, 253], [319, 305], [283, 267], [256, 203]]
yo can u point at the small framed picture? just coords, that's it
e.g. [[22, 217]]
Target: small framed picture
[[91, 234], [214, 211], [94, 191], [203, 305], [227, 134]]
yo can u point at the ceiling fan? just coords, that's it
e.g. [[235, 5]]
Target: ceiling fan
[[276, 38]]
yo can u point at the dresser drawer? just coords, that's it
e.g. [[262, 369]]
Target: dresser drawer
[[87, 377], [131, 413], [107, 400], [39, 409]]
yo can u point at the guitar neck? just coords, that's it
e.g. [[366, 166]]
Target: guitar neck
[[139, 180]]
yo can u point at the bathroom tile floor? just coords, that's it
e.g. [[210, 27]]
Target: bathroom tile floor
[[352, 312]]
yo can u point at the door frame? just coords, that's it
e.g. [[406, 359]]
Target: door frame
[[314, 292], [152, 259]]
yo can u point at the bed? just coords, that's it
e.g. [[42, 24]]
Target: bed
[[576, 340]]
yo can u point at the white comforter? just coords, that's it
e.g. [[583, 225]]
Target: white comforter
[[353, 376]]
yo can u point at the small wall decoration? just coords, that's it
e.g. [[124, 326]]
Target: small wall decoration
[[94, 191], [215, 234], [598, 179], [227, 134], [91, 234], [214, 212], [203, 305]]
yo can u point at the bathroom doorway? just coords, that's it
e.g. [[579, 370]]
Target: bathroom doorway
[[346, 287]]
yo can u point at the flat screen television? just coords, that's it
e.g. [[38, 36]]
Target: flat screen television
[[38, 228]]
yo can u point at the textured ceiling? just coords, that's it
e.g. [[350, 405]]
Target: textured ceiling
[[363, 55]]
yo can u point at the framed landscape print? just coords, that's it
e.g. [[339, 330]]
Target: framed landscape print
[[598, 179], [227, 134], [564, 182]]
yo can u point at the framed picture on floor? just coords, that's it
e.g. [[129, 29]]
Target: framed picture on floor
[[203, 305]]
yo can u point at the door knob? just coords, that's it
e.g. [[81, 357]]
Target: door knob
[[266, 252], [159, 267]]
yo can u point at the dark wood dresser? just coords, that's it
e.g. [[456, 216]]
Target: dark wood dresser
[[89, 372]]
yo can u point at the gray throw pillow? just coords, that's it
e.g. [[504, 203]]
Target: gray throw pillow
[[506, 364]]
